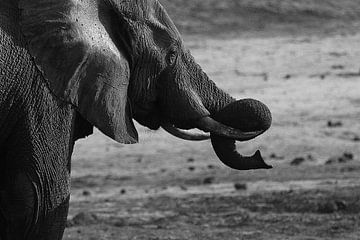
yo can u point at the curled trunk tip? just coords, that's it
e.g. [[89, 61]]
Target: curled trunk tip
[[226, 151]]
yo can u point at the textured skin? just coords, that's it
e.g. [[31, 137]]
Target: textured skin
[[80, 45], [36, 142], [71, 46], [38, 130], [35, 179], [245, 114]]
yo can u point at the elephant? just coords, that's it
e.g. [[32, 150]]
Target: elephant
[[67, 66]]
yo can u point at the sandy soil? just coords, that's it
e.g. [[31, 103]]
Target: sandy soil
[[166, 188]]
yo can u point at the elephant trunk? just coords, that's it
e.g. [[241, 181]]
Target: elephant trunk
[[212, 110], [239, 120], [247, 115], [226, 151]]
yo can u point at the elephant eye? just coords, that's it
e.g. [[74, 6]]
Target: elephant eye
[[171, 57]]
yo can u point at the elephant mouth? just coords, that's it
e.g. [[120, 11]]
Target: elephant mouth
[[209, 125]]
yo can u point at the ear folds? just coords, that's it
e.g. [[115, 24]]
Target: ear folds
[[80, 62]]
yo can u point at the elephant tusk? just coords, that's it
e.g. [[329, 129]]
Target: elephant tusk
[[207, 124], [184, 134]]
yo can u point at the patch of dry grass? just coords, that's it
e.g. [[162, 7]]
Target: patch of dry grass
[[215, 17]]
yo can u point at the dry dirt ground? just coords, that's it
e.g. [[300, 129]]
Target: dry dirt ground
[[166, 188]]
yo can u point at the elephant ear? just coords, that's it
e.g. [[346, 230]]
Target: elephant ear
[[72, 46]]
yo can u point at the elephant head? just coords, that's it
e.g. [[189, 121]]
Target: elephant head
[[118, 60]]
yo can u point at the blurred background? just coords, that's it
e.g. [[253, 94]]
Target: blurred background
[[302, 59]]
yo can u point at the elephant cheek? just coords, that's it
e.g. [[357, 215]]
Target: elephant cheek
[[182, 107]]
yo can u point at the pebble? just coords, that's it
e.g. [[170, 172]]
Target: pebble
[[240, 186], [208, 180], [297, 161]]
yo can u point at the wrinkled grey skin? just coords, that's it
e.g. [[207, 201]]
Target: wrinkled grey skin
[[38, 125]]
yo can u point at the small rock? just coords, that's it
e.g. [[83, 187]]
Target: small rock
[[331, 160], [341, 205], [119, 223], [340, 67], [122, 191], [297, 161], [265, 77], [310, 157], [210, 166], [348, 74], [208, 180], [182, 187], [333, 124], [275, 156], [82, 219], [191, 168], [346, 157], [349, 169], [86, 193], [287, 76], [337, 54], [356, 139], [190, 160], [322, 76], [327, 207], [240, 186]]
